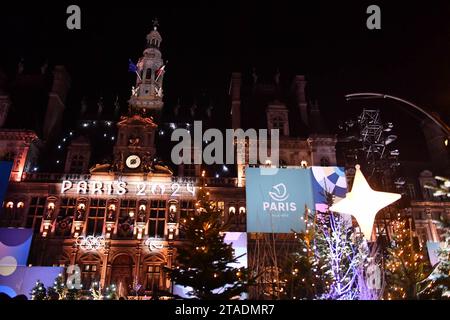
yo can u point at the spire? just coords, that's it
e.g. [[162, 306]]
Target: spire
[[155, 23], [147, 94], [154, 38]]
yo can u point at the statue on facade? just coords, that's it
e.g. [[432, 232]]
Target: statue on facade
[[49, 213], [111, 215], [133, 140], [79, 215], [141, 215], [118, 162], [147, 162]]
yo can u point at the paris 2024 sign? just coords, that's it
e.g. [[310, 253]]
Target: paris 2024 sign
[[277, 198]]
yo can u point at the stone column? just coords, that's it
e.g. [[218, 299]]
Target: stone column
[[104, 265], [138, 262]]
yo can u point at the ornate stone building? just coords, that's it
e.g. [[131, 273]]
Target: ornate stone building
[[118, 221]]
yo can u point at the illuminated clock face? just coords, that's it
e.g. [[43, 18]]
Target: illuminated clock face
[[133, 161]]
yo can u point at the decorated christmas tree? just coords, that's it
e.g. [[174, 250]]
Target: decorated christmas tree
[[59, 290], [38, 292], [302, 274], [203, 260], [406, 264], [329, 260], [437, 284], [341, 253]]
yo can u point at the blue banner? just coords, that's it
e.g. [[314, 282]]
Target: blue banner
[[277, 200]]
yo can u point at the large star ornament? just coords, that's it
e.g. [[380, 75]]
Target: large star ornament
[[364, 203]]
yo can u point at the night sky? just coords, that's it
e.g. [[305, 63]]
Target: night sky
[[328, 42]]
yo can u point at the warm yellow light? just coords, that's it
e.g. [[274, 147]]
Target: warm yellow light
[[364, 203], [10, 205], [20, 205], [446, 142]]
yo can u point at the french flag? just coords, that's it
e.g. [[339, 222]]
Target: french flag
[[160, 72]]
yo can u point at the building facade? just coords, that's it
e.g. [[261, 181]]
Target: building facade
[[119, 221]]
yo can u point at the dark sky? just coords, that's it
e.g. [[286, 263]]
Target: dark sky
[[329, 42]]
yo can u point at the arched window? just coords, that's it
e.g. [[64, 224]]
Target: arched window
[[148, 73]]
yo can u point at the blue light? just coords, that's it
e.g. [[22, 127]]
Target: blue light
[[225, 168], [217, 175]]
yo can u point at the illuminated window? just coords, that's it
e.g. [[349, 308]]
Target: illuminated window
[[127, 217], [187, 207], [35, 213], [65, 216], [152, 278], [232, 210], [20, 205], [96, 217], [157, 219], [89, 275], [8, 211]]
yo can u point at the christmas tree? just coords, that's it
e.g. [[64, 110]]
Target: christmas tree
[[204, 258], [302, 274], [58, 290], [437, 284], [341, 253], [38, 292], [406, 265]]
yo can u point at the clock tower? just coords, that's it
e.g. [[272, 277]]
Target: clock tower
[[147, 95], [135, 147]]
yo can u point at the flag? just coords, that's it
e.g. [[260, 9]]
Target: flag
[[131, 66], [160, 72]]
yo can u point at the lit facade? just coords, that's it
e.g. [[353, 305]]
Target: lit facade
[[119, 221]]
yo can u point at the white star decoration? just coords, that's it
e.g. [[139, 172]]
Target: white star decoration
[[364, 203]]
